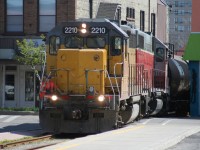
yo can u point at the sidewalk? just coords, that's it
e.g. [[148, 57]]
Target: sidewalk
[[13, 135], [135, 137], [6, 112]]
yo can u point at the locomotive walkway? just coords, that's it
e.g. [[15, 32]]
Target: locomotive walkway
[[146, 134]]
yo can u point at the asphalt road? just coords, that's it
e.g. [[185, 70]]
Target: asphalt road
[[10, 123]]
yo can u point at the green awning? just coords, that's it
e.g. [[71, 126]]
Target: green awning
[[192, 51]]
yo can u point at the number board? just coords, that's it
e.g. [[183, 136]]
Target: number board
[[70, 30], [98, 30], [93, 30]]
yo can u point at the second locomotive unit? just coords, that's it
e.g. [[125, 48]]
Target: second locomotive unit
[[108, 75]]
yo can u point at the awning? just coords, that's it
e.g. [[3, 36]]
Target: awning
[[7, 53], [192, 51]]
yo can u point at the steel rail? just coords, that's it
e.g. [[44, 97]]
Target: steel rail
[[25, 141]]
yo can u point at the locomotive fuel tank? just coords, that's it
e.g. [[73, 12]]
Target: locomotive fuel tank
[[178, 79]]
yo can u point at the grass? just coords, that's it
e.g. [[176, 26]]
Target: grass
[[35, 109]]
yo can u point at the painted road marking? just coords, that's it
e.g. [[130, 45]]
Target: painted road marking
[[166, 122], [145, 122], [11, 118]]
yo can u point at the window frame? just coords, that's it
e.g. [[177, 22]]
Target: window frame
[[153, 23], [6, 20], [95, 37], [130, 14], [38, 16], [73, 47], [142, 20], [57, 46]]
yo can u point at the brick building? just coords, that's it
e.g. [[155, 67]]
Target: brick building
[[28, 19]]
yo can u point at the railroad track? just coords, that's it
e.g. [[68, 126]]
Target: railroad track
[[27, 141]]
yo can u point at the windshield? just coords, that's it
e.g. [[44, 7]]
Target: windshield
[[96, 42], [74, 42]]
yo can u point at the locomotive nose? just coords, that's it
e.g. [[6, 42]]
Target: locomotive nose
[[85, 70]]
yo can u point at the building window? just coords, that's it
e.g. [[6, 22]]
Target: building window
[[142, 20], [182, 4], [10, 87], [153, 23], [118, 13], [47, 15], [178, 20], [14, 15], [179, 28], [130, 14]]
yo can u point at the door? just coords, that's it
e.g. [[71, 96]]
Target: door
[[10, 90]]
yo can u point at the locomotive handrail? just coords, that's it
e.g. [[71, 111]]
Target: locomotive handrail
[[63, 69], [94, 70], [111, 87], [110, 82], [158, 72], [116, 77]]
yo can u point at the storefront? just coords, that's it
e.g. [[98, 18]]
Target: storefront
[[19, 86]]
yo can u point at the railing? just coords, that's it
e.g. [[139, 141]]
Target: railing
[[116, 77], [158, 79], [101, 76], [62, 69]]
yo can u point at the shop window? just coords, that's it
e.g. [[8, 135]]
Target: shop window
[[10, 87]]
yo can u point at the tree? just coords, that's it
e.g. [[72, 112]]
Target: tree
[[31, 54]]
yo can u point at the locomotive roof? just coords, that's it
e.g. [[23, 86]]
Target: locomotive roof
[[58, 30]]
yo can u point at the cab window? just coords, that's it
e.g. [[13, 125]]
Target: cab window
[[96, 42], [73, 42], [160, 54], [116, 48], [54, 44]]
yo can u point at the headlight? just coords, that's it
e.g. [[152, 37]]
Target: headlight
[[83, 31], [101, 98], [54, 98], [83, 25]]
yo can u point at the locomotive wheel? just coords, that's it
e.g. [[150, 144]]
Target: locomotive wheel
[[130, 114]]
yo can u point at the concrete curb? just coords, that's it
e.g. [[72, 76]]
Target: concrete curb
[[173, 141], [2, 112]]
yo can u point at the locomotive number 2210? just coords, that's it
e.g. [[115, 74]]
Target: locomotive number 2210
[[98, 30], [69, 30]]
